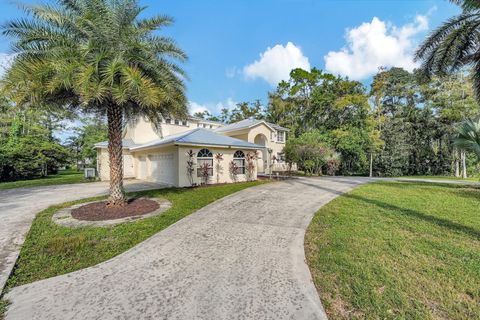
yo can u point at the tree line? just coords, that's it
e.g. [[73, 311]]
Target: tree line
[[403, 124]]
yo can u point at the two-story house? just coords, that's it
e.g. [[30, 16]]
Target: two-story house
[[160, 153]]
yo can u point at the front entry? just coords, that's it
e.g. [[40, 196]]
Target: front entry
[[262, 164]]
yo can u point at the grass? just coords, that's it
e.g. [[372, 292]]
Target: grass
[[51, 250], [398, 250], [63, 177], [3, 308], [473, 179]]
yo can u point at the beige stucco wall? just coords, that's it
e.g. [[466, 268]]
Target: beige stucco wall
[[141, 130], [223, 174], [103, 164], [264, 161]]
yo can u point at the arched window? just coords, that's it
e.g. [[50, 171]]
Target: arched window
[[239, 160], [204, 157]]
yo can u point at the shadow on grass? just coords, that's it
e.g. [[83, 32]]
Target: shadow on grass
[[405, 211]]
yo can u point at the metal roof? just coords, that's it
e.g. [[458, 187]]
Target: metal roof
[[248, 123], [126, 143], [201, 137]]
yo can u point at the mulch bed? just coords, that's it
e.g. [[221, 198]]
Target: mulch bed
[[99, 211]]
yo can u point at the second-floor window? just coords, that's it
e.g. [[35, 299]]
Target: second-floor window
[[280, 136]]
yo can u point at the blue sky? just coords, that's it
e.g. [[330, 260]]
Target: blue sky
[[225, 40]]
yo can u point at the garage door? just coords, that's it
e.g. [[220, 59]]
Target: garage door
[[162, 168], [128, 166], [142, 167]]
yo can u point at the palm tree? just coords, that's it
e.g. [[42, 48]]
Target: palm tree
[[468, 136], [100, 57], [454, 44]]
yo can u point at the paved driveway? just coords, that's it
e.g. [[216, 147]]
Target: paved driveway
[[241, 257], [19, 206]]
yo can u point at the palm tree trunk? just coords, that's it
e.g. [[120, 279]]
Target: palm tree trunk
[[464, 165], [457, 165], [371, 165], [115, 150]]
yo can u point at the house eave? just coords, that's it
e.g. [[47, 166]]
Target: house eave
[[190, 144]]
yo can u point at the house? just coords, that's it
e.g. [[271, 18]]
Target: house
[[159, 153]]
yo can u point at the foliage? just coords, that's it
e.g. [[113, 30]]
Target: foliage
[[205, 169], [190, 165], [62, 177], [309, 151], [398, 250], [99, 57], [28, 148], [417, 121], [233, 169], [454, 45], [332, 163], [50, 250], [468, 136], [218, 165], [81, 145]]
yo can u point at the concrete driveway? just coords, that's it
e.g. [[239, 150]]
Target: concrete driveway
[[241, 257], [19, 206]]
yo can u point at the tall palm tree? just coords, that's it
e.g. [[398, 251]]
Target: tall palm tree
[[454, 44], [468, 136], [97, 56]]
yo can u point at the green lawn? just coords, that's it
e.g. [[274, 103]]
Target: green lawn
[[398, 250], [50, 250], [63, 177], [473, 179]]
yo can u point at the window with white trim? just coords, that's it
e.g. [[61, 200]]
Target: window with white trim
[[280, 136], [204, 156], [239, 160]]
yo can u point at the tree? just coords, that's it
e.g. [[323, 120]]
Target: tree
[[468, 136], [454, 44], [310, 151], [245, 110], [100, 57], [91, 131]]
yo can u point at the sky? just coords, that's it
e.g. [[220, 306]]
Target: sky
[[239, 50]]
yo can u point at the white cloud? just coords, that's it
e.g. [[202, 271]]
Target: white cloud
[[276, 63], [194, 107], [6, 61], [229, 104], [376, 44], [213, 108]]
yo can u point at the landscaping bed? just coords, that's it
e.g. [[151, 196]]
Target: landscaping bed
[[398, 250], [98, 211]]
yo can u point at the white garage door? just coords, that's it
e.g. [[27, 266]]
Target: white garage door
[[162, 168], [142, 168], [128, 166]]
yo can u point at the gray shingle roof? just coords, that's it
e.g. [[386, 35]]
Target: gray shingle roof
[[200, 137], [247, 123]]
